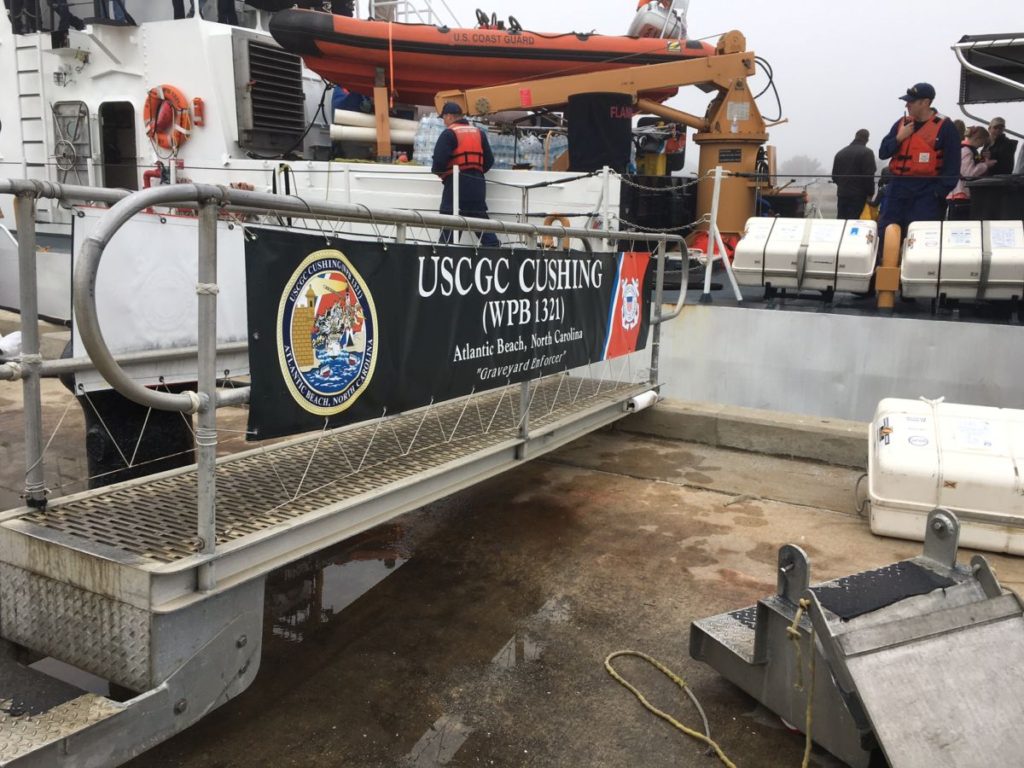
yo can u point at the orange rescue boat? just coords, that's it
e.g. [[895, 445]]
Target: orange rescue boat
[[419, 59]]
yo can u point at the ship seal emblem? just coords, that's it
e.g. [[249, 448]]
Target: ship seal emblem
[[630, 312], [326, 325]]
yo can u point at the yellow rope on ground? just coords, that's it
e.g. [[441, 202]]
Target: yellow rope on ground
[[794, 634], [793, 630], [664, 715]]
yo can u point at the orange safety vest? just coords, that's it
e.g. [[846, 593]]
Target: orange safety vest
[[469, 149], [918, 155]]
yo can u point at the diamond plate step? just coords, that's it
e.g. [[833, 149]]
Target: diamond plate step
[[733, 630], [36, 710]]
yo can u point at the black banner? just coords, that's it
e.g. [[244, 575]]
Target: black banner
[[353, 330]]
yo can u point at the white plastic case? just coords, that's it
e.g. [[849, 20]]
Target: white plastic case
[[966, 458], [970, 260], [813, 254]]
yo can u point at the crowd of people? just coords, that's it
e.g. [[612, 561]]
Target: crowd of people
[[931, 160]]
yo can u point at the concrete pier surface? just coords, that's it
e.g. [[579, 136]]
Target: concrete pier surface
[[473, 631]]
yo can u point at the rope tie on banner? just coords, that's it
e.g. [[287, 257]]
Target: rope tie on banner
[[30, 359], [207, 289]]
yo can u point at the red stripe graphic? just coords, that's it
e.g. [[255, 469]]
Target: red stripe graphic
[[627, 305]]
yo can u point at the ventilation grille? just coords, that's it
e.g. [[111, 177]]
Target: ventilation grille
[[272, 105]]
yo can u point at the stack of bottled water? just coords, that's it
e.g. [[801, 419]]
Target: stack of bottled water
[[504, 147], [557, 146], [426, 137], [508, 151]]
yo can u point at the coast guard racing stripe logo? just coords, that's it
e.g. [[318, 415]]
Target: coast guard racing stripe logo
[[623, 328], [326, 323]]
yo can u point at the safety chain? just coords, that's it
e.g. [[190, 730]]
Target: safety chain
[[684, 185], [662, 230]]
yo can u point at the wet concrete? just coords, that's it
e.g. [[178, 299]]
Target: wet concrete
[[481, 634]]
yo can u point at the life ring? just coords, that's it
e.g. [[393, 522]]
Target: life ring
[[547, 241], [167, 117]]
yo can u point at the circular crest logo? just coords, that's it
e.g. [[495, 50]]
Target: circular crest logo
[[630, 311], [326, 323]]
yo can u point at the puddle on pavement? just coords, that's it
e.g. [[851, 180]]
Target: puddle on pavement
[[439, 744], [307, 594], [520, 649]]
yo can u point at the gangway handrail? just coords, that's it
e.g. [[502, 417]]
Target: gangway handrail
[[12, 370], [58, 191], [959, 49], [235, 200], [209, 200]]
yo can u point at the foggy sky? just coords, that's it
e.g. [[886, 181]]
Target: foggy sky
[[838, 66]]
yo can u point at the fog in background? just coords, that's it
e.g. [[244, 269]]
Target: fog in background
[[838, 66]]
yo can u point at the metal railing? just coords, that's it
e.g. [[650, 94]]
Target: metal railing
[[210, 200], [959, 50]]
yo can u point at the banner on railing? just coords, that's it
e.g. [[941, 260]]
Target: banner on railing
[[346, 330]]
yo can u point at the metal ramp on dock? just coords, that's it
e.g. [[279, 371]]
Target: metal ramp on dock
[[155, 585], [920, 661]]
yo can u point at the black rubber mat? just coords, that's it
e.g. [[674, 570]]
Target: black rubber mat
[[38, 692], [861, 593]]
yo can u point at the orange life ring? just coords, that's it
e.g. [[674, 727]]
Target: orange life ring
[[547, 241], [167, 117]]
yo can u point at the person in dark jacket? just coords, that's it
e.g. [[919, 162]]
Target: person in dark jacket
[[1001, 149], [923, 149], [853, 173], [65, 18], [466, 146]]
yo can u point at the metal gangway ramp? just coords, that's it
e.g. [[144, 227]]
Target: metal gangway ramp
[[918, 661], [156, 584]]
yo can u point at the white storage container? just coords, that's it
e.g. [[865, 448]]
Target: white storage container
[[816, 254], [966, 458], [972, 260]]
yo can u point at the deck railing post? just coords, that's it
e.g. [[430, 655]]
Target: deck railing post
[[659, 289], [606, 205], [524, 419], [705, 297], [456, 204], [31, 360], [206, 428]]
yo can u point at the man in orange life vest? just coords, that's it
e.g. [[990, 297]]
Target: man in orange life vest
[[924, 148], [466, 146]]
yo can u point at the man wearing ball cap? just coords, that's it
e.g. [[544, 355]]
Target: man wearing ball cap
[[923, 149]]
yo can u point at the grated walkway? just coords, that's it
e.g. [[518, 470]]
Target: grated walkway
[[155, 519]]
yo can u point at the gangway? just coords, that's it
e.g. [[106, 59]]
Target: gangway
[[156, 584]]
